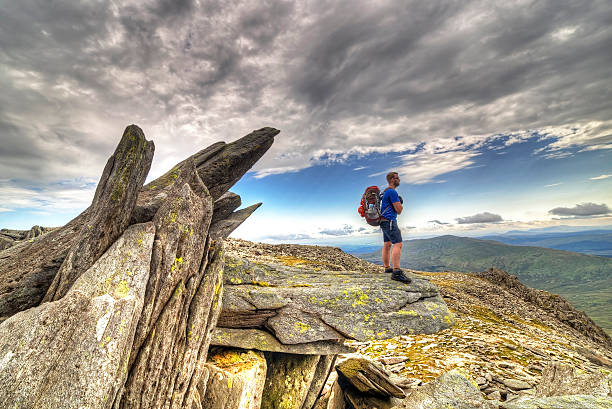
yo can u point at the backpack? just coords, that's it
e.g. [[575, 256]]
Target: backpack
[[370, 205]]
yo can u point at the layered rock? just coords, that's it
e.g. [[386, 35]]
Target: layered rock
[[28, 268], [301, 305], [74, 352], [133, 329]]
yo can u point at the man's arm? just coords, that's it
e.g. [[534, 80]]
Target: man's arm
[[398, 207]]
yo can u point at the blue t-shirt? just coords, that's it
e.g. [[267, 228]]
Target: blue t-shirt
[[386, 206]]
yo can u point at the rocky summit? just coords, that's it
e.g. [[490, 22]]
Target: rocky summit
[[142, 301]]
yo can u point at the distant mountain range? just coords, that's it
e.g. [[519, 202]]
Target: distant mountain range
[[593, 242], [585, 280]]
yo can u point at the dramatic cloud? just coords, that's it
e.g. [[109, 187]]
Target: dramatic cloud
[[601, 177], [435, 80], [582, 210], [485, 217], [344, 231]]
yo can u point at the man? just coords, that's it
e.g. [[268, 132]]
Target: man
[[391, 206]]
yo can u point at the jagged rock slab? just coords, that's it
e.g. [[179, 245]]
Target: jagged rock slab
[[225, 205], [369, 378], [109, 214], [264, 341], [236, 379], [311, 304], [28, 269], [182, 304], [560, 379], [73, 353], [454, 389], [223, 227], [219, 166], [336, 398], [288, 380], [561, 402]]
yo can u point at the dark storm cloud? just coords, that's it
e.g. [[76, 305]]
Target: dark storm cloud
[[334, 76], [582, 210], [417, 56], [437, 222], [485, 217]]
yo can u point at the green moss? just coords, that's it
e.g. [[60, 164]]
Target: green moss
[[302, 327], [122, 289], [412, 313]]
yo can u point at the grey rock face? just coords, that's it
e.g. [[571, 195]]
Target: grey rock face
[[561, 402], [300, 305], [225, 205], [223, 227], [73, 353], [182, 301], [559, 379], [454, 389], [321, 373], [109, 214], [236, 379], [288, 380]]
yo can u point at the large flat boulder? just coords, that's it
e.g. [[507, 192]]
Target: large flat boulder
[[264, 341], [301, 305]]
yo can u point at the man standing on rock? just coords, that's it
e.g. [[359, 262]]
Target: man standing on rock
[[391, 206]]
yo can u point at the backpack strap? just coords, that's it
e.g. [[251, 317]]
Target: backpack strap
[[382, 194]]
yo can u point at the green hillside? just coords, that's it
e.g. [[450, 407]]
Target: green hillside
[[584, 280]]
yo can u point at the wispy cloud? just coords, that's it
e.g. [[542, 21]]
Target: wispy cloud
[[600, 177], [343, 231], [554, 184]]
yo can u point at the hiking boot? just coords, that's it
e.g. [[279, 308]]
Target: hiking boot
[[388, 270], [398, 275]]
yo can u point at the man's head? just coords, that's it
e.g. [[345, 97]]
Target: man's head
[[393, 179]]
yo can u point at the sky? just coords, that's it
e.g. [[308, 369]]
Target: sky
[[497, 115]]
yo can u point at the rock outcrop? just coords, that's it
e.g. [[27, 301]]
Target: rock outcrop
[[74, 352], [9, 238], [118, 308], [128, 318], [301, 304], [28, 268], [555, 304]]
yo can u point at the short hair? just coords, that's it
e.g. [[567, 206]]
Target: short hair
[[390, 176]]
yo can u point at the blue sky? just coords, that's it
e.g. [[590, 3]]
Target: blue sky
[[497, 115], [513, 181]]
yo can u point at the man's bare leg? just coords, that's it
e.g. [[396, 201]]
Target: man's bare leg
[[386, 254], [395, 256]]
